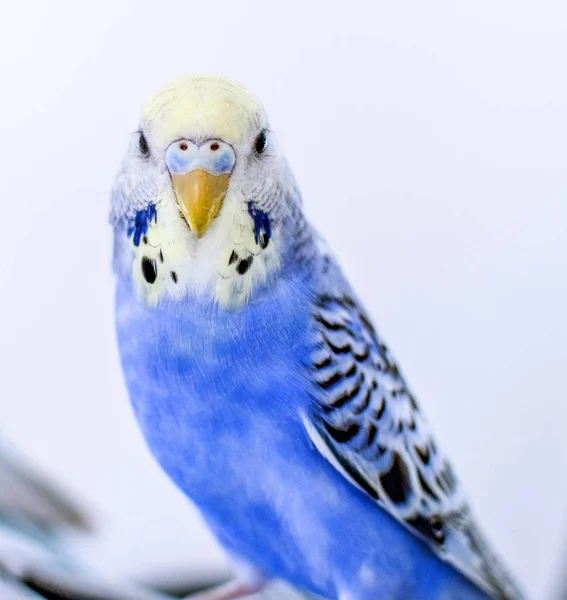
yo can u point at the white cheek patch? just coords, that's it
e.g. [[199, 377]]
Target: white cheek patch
[[160, 255], [226, 264], [242, 261]]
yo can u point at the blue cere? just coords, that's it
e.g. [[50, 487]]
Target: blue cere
[[177, 162], [139, 224], [214, 156], [223, 163], [261, 224]]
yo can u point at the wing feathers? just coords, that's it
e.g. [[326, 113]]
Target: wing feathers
[[368, 425]]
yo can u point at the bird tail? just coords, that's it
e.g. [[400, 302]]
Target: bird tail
[[500, 581]]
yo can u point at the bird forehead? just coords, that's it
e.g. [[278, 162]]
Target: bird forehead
[[202, 104]]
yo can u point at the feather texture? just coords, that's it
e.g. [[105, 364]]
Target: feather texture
[[372, 424]]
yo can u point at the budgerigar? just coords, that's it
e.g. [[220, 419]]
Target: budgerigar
[[258, 379]]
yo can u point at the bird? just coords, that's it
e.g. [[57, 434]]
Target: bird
[[37, 559], [258, 379]]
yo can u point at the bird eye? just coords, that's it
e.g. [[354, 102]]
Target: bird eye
[[143, 143], [261, 142]]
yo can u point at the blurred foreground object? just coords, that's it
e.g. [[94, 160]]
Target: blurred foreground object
[[35, 518]]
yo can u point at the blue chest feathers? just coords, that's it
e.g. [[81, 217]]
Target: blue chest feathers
[[198, 373]]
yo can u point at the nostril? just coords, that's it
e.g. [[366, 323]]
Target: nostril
[[214, 147], [183, 146]]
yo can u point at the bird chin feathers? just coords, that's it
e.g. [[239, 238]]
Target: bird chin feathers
[[223, 267]]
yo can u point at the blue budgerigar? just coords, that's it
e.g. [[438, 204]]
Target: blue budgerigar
[[258, 379]]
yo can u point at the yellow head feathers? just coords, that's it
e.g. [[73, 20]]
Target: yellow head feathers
[[202, 104]]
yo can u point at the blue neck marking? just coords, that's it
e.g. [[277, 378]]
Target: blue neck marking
[[139, 224], [262, 226]]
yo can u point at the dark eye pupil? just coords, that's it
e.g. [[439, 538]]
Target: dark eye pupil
[[143, 142], [261, 142]]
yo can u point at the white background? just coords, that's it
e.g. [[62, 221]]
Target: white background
[[430, 141]]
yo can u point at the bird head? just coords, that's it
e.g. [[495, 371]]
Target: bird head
[[203, 196]]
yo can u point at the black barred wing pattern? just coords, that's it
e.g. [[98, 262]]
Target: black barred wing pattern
[[367, 410], [369, 426]]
